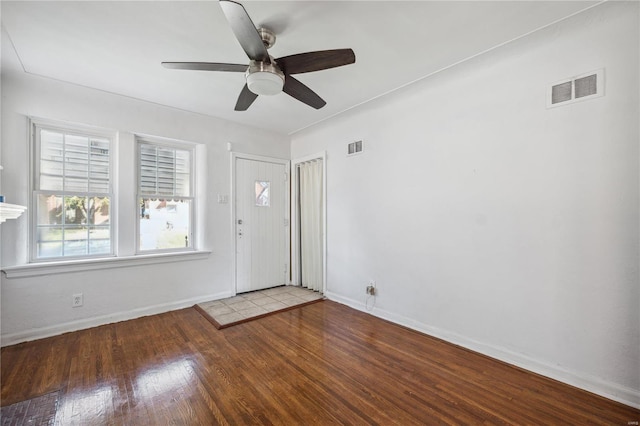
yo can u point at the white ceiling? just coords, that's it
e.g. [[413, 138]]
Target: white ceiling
[[117, 46]]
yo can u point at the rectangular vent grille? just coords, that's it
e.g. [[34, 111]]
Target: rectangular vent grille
[[585, 86], [561, 92], [354, 148]]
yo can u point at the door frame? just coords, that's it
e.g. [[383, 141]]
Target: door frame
[[295, 226], [287, 209]]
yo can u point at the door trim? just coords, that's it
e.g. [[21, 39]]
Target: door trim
[[287, 210], [295, 226]]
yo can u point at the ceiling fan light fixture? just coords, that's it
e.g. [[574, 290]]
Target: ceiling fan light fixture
[[266, 75], [265, 83]]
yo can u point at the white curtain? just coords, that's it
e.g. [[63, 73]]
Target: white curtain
[[311, 224]]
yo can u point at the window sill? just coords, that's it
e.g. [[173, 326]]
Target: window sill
[[36, 269]]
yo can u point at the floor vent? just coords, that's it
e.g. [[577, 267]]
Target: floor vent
[[354, 148], [582, 87]]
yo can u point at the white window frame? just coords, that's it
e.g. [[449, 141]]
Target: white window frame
[[35, 126], [169, 144], [123, 166]]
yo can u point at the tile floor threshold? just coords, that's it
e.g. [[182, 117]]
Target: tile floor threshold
[[40, 410], [256, 304]]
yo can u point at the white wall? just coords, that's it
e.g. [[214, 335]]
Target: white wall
[[493, 222], [37, 306]]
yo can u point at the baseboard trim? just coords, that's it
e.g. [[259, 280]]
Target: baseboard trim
[[81, 324], [613, 391]]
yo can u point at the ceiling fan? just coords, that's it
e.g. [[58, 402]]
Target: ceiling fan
[[264, 74]]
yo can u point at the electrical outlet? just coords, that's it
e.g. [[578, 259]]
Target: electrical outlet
[[77, 300], [371, 290]]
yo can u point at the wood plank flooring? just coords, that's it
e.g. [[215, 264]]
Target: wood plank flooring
[[321, 364]]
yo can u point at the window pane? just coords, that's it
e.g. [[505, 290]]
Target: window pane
[[76, 163], [53, 249], [165, 182], [262, 193], [76, 233], [164, 224], [51, 160], [75, 210], [76, 227], [52, 183], [52, 143], [51, 169], [75, 248], [99, 187], [50, 233], [99, 210], [182, 185], [99, 240], [99, 165], [99, 246], [49, 210], [98, 232], [75, 185], [183, 173], [164, 171]]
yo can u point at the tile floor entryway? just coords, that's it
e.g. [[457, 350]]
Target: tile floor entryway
[[256, 304], [40, 410]]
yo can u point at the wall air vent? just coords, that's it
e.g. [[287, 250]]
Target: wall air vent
[[354, 148], [561, 92], [578, 88], [586, 86]]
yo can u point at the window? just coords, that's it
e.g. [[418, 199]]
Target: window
[[72, 193], [165, 197], [262, 193]]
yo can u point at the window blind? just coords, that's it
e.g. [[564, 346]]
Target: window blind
[[164, 171], [73, 163]]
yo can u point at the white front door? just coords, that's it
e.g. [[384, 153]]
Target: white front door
[[261, 223]]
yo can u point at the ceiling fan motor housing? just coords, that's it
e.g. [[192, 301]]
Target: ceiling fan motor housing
[[265, 79], [268, 37]]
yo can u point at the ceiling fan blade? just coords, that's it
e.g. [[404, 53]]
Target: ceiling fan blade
[[299, 91], [245, 99], [316, 61], [205, 66], [245, 31]]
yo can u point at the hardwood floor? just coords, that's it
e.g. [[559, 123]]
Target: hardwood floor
[[321, 364]]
